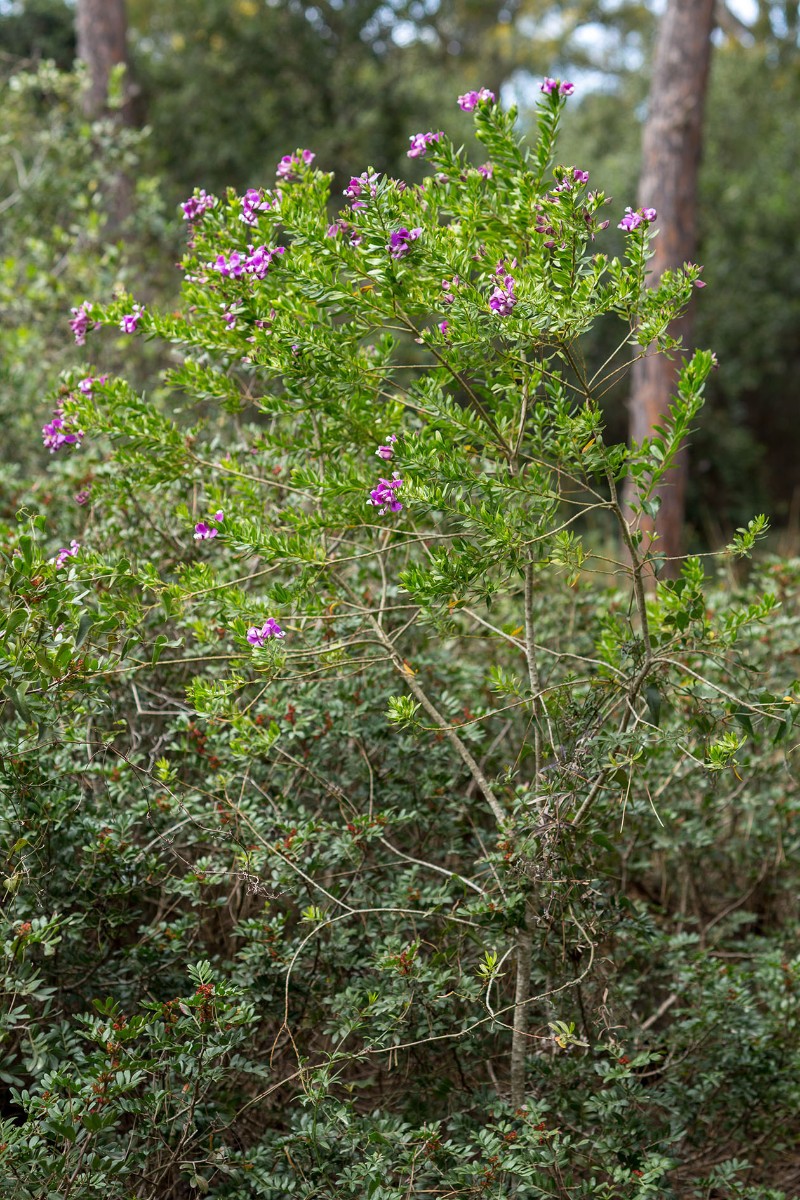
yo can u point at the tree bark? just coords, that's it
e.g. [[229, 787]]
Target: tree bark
[[671, 147], [101, 30], [522, 994]]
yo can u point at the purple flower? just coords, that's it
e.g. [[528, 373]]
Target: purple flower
[[229, 264], [632, 220], [259, 260], [218, 516], [83, 496], [81, 322], [57, 434], [470, 100], [386, 452], [549, 85], [287, 167], [88, 383], [202, 532], [129, 321], [421, 143], [347, 229], [253, 202], [502, 299], [362, 185], [196, 205], [400, 242], [487, 170], [384, 494], [443, 328], [64, 554], [580, 176], [259, 637]]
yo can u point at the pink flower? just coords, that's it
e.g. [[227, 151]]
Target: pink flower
[[580, 176], [259, 637], [421, 143], [57, 434], [487, 170], [87, 384], [82, 497], [64, 554], [549, 85], [218, 515], [443, 328], [502, 299], [287, 167], [253, 202], [196, 205], [632, 220], [386, 452], [81, 322], [129, 322], [470, 100], [202, 532], [365, 184], [399, 243], [384, 494]]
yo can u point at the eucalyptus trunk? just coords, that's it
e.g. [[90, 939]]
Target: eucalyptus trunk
[[671, 149]]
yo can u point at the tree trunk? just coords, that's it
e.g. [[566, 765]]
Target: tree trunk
[[520, 1040], [671, 146], [101, 30]]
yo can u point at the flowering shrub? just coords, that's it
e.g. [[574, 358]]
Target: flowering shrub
[[400, 899]]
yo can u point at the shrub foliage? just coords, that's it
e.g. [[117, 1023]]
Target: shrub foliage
[[377, 823]]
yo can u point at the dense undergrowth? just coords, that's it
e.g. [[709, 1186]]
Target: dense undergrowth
[[368, 831]]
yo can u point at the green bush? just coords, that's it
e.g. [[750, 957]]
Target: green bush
[[373, 826]]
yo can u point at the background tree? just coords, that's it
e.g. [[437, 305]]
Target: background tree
[[671, 145], [101, 37]]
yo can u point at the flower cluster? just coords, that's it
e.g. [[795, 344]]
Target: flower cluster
[[400, 242], [259, 637], [82, 321], [344, 227], [203, 532], [421, 143], [64, 553], [88, 383], [470, 100], [287, 167], [360, 186], [386, 452], [129, 322], [197, 204], [502, 299], [257, 261], [632, 220], [555, 85], [255, 201], [450, 287], [383, 496], [57, 433]]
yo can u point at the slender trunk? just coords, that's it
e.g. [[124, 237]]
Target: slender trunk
[[671, 146], [101, 30], [519, 1037]]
